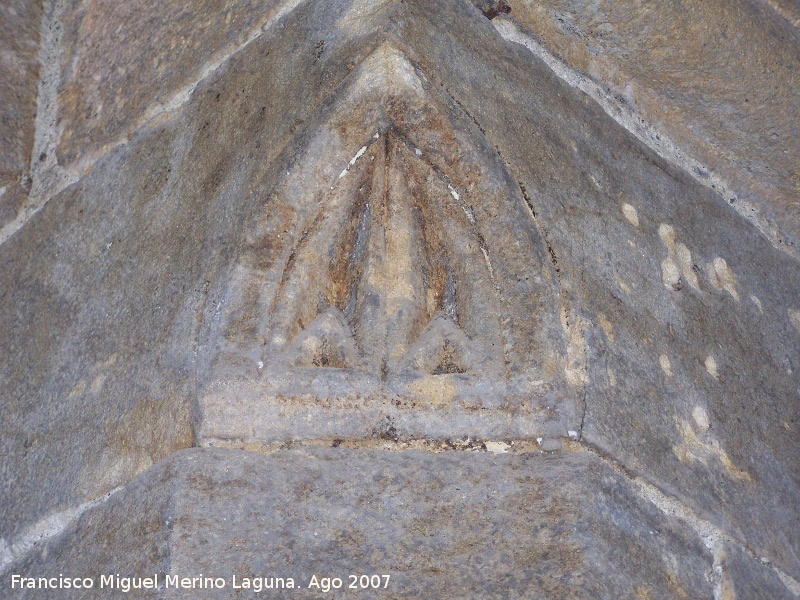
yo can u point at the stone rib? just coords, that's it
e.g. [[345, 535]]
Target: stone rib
[[50, 178], [644, 131]]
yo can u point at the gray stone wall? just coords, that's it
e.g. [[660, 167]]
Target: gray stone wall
[[500, 298]]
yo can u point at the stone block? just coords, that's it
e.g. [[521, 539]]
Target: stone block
[[455, 524], [125, 62], [20, 23], [716, 78]]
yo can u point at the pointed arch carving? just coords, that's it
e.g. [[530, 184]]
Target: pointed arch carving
[[395, 257]]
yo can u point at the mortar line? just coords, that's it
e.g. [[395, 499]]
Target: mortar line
[[655, 140], [44, 530], [792, 19], [50, 178], [712, 536]]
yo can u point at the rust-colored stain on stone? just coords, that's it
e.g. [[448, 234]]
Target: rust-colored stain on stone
[[450, 291]]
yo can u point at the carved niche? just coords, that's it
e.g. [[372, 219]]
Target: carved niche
[[396, 275]]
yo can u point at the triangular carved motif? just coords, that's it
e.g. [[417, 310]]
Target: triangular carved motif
[[327, 342], [389, 257], [444, 348], [396, 261]]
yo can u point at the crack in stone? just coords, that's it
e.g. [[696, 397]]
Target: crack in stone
[[564, 302], [645, 132]]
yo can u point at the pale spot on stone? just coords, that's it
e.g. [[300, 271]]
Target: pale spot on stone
[[701, 419], [702, 449], [576, 371], [612, 379], [794, 317], [608, 328], [311, 345], [670, 274], [79, 388], [642, 593], [757, 302], [630, 214], [97, 384], [573, 434], [712, 276], [551, 445], [455, 195], [711, 366], [726, 277], [684, 257], [488, 262], [497, 447], [678, 265], [663, 360], [667, 235], [112, 359], [437, 389]]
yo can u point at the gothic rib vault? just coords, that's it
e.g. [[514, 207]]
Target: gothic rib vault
[[380, 292]]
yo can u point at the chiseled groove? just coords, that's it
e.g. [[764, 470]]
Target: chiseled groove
[[645, 132], [712, 536], [50, 178]]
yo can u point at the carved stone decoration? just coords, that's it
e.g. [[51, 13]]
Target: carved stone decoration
[[376, 251], [408, 285]]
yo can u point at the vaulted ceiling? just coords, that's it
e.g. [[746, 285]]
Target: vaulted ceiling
[[405, 287]]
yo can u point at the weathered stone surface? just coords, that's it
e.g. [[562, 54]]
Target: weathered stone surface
[[104, 291], [746, 577], [20, 22], [456, 524], [383, 220], [717, 77], [124, 59], [115, 394], [580, 171]]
